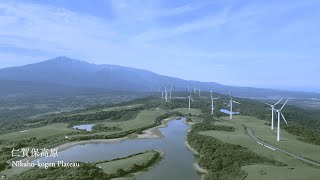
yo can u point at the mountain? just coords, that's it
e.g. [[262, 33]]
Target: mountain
[[65, 73]]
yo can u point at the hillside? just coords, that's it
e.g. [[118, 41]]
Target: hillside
[[63, 72]]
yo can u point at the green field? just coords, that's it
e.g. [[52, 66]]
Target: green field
[[276, 172], [144, 118], [13, 171], [42, 132], [117, 108], [126, 164], [186, 111], [263, 132]]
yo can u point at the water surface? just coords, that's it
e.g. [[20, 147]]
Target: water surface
[[86, 127], [176, 164], [226, 111]]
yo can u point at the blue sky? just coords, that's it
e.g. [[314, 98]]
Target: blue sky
[[273, 44]]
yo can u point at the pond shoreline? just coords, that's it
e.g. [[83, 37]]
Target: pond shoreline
[[151, 133], [196, 166]]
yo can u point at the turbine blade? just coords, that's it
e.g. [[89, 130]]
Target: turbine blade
[[284, 119], [278, 102], [217, 98], [267, 103], [284, 104]]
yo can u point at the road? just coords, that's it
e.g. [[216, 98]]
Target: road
[[252, 136]]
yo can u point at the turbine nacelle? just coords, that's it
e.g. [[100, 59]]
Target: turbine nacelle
[[279, 118], [272, 110], [230, 104]]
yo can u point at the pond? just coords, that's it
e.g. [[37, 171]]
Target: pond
[[226, 111], [176, 164], [86, 127]]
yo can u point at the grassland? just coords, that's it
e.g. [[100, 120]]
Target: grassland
[[265, 172], [117, 108], [295, 169], [14, 171], [127, 164], [113, 108], [42, 132], [289, 142], [187, 111], [144, 118]]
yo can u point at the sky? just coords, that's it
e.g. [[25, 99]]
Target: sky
[[256, 43]]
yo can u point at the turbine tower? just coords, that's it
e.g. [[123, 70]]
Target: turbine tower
[[161, 94], [232, 101], [190, 99], [273, 109], [212, 103], [280, 113], [166, 94], [199, 91], [170, 91]]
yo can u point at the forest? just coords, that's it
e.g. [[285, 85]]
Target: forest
[[223, 160]]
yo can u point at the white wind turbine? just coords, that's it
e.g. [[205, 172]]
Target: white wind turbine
[[231, 103], [170, 91], [212, 103], [272, 110], [190, 99], [280, 113], [166, 94]]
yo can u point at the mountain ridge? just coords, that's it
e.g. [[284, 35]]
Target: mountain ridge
[[77, 73]]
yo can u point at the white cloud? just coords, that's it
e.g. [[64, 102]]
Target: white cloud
[[209, 22], [135, 37], [54, 31], [141, 10], [51, 29]]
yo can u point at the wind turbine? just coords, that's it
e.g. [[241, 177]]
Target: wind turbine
[[170, 92], [232, 101], [280, 113], [161, 94], [166, 94], [273, 109], [212, 103], [190, 99]]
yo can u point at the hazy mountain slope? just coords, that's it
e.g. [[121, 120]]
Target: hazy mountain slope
[[76, 73], [15, 88]]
